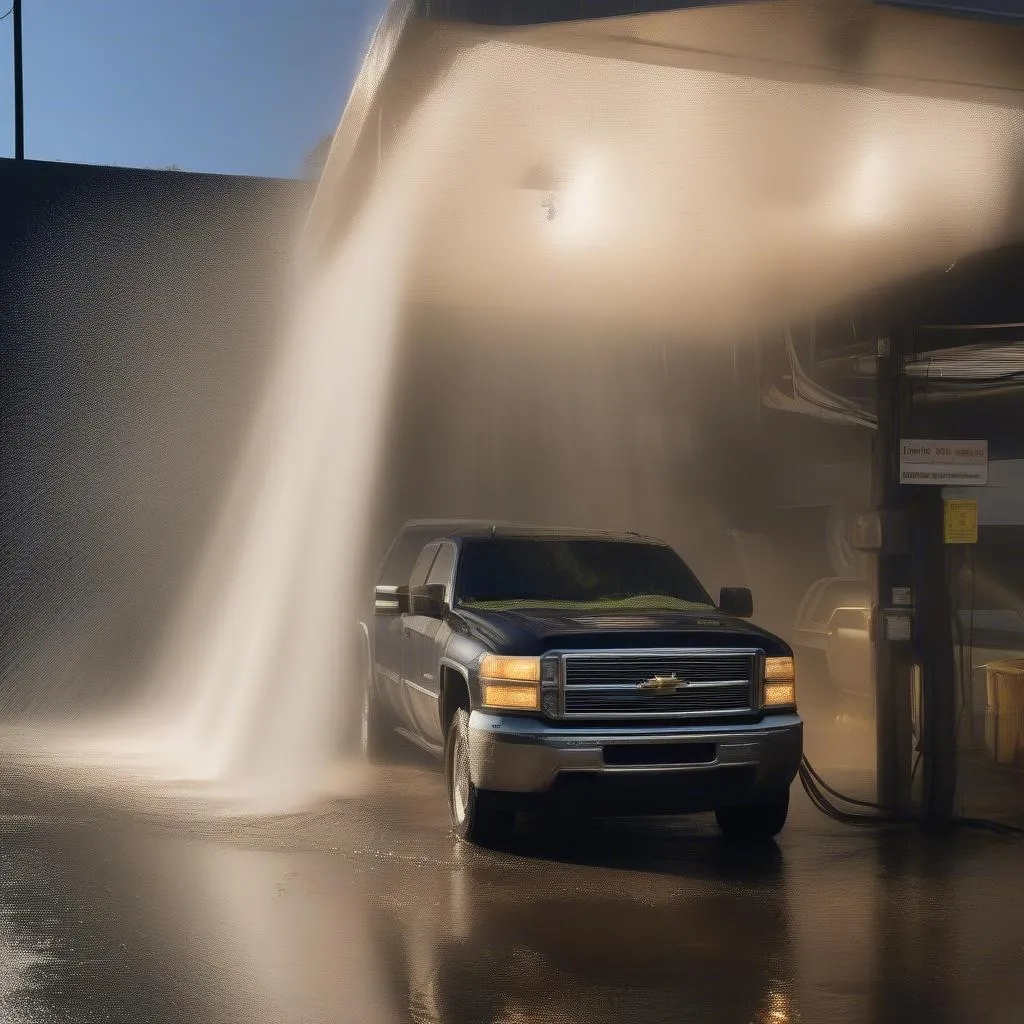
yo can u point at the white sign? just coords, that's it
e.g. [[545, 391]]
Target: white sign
[[899, 626], [944, 463]]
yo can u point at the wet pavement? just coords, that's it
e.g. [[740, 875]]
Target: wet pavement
[[367, 910]]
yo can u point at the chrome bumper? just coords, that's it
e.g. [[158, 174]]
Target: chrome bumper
[[516, 754]]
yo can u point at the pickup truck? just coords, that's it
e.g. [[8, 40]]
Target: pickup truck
[[589, 671]]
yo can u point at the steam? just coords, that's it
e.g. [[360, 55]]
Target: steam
[[694, 206], [246, 697]]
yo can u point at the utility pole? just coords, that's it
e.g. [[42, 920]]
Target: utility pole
[[19, 92], [893, 580]]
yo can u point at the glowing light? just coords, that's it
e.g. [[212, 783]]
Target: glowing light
[[578, 212], [780, 682], [509, 695], [779, 695], [778, 1009], [779, 670], [868, 199], [518, 670]]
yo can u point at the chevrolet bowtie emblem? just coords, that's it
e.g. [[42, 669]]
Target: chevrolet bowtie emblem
[[662, 684]]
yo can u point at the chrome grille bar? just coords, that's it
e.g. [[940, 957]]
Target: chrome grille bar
[[606, 684]]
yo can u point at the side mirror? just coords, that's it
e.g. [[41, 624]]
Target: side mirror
[[736, 601], [428, 601], [391, 600]]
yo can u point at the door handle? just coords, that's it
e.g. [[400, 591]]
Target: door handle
[[405, 632]]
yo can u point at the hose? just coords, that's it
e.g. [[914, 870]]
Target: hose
[[819, 793]]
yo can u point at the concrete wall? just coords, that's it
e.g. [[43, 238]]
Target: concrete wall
[[137, 309]]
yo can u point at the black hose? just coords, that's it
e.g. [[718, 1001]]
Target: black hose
[[816, 789]]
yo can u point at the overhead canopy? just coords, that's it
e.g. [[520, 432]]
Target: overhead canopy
[[683, 169], [527, 12]]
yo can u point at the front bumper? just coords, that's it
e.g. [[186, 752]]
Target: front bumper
[[530, 757]]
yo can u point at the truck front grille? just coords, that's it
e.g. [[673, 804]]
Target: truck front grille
[[609, 684]]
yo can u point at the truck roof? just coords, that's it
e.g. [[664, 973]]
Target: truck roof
[[457, 529]]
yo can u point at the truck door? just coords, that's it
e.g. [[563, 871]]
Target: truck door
[[422, 681], [397, 566], [412, 627]]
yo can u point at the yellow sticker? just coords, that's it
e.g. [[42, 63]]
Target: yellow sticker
[[961, 521]]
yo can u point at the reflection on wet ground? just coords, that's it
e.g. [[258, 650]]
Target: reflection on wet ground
[[368, 911]]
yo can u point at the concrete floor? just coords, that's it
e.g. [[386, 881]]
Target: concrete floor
[[366, 910]]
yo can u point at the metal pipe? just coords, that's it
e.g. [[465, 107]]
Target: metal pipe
[[19, 93]]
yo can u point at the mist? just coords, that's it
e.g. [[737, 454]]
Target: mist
[[532, 316]]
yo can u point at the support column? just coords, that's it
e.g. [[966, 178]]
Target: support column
[[935, 654], [893, 660]]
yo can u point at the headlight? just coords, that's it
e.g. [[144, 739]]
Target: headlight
[[515, 670], [779, 683], [511, 696], [510, 682]]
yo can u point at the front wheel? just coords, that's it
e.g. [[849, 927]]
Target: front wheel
[[472, 820], [752, 822]]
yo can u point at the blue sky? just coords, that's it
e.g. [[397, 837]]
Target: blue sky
[[229, 86]]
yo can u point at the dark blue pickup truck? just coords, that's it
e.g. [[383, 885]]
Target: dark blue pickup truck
[[559, 665]]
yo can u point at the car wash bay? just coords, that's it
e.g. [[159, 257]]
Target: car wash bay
[[364, 908], [709, 371]]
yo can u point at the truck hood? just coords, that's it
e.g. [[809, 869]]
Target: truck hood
[[534, 632]]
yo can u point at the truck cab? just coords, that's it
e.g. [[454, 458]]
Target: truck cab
[[592, 670]]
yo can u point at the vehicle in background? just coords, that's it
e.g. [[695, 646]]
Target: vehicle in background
[[832, 641], [832, 636], [587, 669]]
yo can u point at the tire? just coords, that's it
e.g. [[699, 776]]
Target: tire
[[376, 726], [754, 822], [472, 820]]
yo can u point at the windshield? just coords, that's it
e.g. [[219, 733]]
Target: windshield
[[576, 574]]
